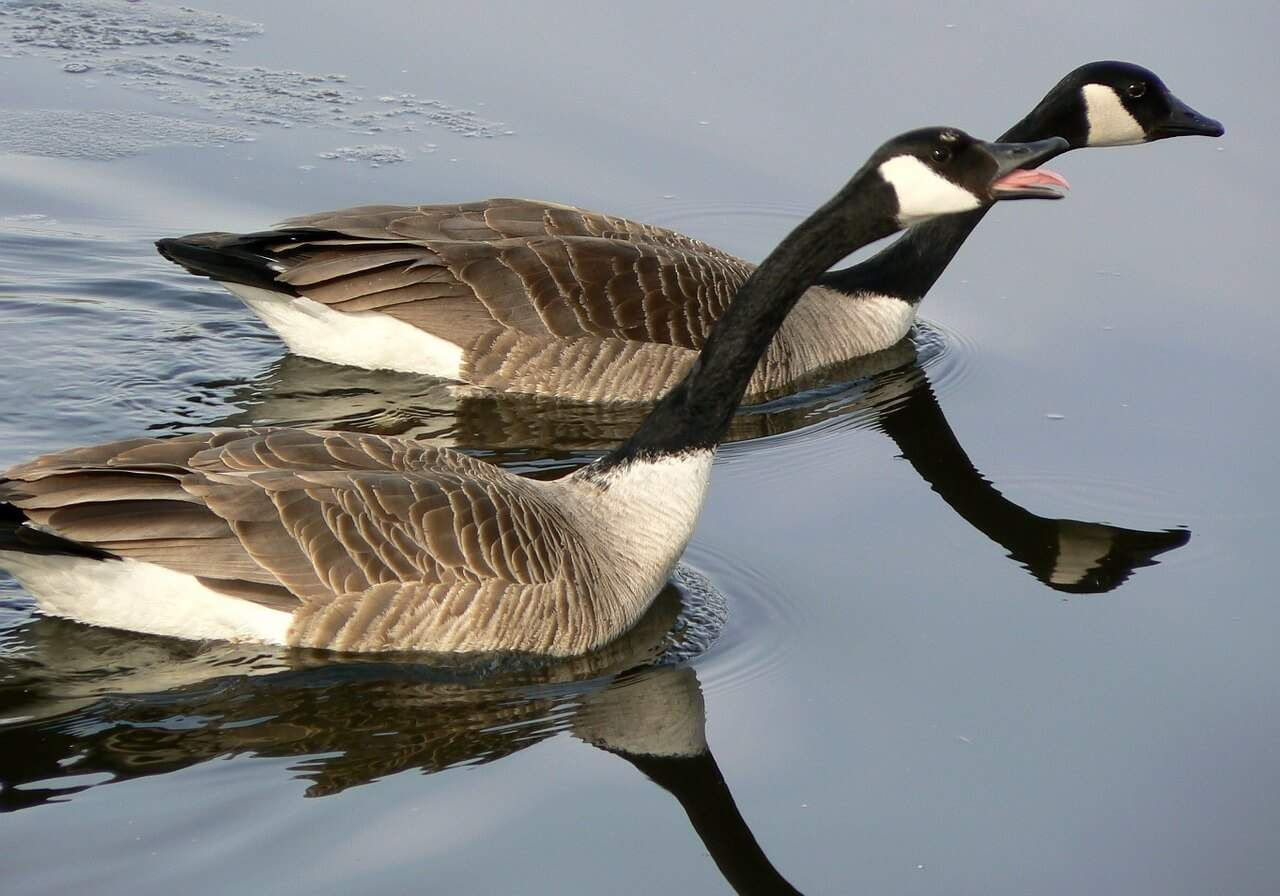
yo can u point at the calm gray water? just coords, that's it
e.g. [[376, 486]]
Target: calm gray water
[[887, 687]]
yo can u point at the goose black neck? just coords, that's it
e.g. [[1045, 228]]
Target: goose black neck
[[909, 267], [696, 413], [921, 432]]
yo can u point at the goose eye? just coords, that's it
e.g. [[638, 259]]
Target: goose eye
[[1136, 90], [941, 154]]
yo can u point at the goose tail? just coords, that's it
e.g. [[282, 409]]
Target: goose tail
[[243, 258], [18, 537]]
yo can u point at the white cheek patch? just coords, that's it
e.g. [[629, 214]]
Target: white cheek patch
[[1110, 123], [922, 192]]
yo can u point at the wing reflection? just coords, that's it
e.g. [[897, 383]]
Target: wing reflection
[[888, 391], [85, 708]]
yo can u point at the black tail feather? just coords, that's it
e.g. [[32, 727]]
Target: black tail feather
[[23, 539], [231, 257]]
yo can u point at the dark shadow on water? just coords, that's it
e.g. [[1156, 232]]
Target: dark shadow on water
[[87, 708]]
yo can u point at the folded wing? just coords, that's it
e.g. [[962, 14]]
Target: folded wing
[[372, 542]]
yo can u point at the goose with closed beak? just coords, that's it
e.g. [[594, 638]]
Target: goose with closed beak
[[524, 296], [364, 543]]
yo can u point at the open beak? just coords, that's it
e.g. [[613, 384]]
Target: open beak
[[1184, 121], [1017, 176]]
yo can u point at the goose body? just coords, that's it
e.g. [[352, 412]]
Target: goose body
[[365, 543], [523, 296], [312, 538], [534, 297]]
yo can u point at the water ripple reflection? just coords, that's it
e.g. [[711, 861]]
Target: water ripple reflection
[[84, 708]]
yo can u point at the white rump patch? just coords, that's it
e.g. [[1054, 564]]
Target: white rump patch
[[1110, 123], [368, 339], [142, 597], [922, 192]]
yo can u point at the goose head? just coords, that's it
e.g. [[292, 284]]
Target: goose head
[[1114, 104], [940, 171]]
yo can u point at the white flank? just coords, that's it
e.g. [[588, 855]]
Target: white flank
[[645, 514], [368, 339], [142, 597], [922, 192], [1110, 123]]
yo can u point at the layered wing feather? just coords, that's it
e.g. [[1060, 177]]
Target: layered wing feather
[[540, 298], [373, 543], [544, 270]]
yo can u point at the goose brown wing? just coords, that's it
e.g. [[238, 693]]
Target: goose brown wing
[[129, 499], [462, 272], [293, 518], [490, 220]]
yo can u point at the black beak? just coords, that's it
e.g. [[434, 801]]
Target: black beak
[[1014, 177], [1184, 121]]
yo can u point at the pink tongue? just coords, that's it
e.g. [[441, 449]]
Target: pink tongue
[[1033, 177]]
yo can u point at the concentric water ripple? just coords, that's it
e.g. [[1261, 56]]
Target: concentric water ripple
[[949, 355], [763, 621]]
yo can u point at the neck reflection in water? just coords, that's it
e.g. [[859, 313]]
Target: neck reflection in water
[[888, 391], [83, 708]]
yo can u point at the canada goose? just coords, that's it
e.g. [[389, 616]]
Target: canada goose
[[526, 296], [355, 542]]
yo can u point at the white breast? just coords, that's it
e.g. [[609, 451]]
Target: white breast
[[368, 339], [645, 514], [877, 322], [827, 327], [142, 597]]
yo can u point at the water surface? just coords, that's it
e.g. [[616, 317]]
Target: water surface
[[918, 644]]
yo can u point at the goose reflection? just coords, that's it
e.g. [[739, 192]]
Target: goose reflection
[[83, 708], [889, 391], [1074, 556]]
